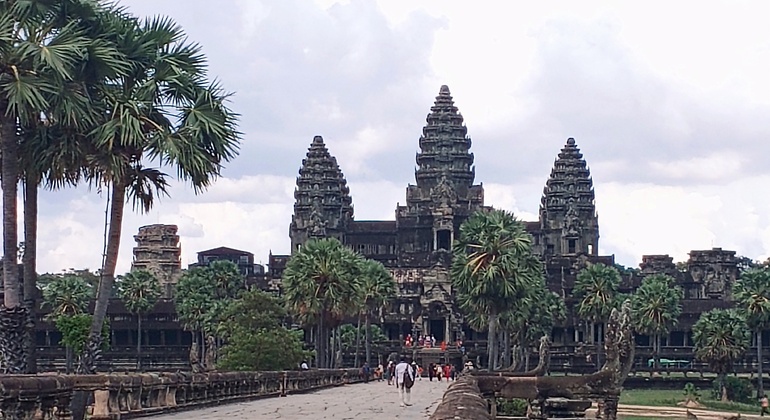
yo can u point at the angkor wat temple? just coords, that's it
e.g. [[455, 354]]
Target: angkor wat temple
[[415, 247]]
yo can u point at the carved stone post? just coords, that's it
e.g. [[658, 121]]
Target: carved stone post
[[610, 409]]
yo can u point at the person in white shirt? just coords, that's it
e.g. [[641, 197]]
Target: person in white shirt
[[304, 366], [404, 388]]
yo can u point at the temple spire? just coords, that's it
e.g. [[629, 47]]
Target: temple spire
[[444, 146], [323, 206]]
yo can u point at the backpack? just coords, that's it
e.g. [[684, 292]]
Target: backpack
[[407, 380]]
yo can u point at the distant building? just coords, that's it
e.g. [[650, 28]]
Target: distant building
[[254, 274]]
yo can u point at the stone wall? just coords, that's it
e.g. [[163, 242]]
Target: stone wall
[[137, 395]]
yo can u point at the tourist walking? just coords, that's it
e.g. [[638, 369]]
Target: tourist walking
[[404, 381], [765, 406], [431, 372], [391, 369]]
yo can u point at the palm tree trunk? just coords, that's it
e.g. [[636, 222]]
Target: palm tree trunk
[[358, 340], [92, 350], [138, 342], [29, 262], [722, 388], [203, 350], [491, 341], [319, 345], [68, 359], [656, 352], [599, 344], [761, 390], [333, 348], [13, 316], [368, 338]]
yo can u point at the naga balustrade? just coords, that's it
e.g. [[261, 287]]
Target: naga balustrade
[[122, 396]]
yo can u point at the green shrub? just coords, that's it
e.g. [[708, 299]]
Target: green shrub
[[691, 392], [738, 389], [512, 407]]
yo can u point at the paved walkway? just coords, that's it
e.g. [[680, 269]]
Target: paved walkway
[[375, 400]]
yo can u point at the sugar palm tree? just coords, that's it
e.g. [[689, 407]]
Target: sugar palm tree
[[163, 111], [721, 336], [752, 294], [377, 289], [45, 48], [139, 291], [492, 266], [595, 289], [321, 287], [656, 306]]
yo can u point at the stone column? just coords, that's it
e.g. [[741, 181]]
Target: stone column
[[447, 330]]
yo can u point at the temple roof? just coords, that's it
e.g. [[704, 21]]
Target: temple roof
[[570, 184], [223, 250], [444, 145]]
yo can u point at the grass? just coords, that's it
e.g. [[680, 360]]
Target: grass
[[670, 397]]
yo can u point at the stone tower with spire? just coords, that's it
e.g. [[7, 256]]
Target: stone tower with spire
[[569, 224], [323, 206], [444, 194]]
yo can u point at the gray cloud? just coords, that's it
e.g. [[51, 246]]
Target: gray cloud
[[677, 163]]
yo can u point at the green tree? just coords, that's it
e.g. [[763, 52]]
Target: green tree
[[194, 302], [595, 289], [255, 339], [493, 267], [656, 307], [752, 294], [377, 288], [44, 49], [164, 110], [321, 288], [720, 336], [68, 296], [139, 290]]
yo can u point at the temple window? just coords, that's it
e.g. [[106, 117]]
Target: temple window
[[444, 240], [572, 245]]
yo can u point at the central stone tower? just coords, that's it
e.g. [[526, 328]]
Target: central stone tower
[[444, 194]]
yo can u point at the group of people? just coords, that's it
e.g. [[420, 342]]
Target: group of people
[[403, 374], [430, 341], [439, 371]]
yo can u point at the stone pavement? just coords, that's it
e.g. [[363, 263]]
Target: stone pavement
[[375, 400]]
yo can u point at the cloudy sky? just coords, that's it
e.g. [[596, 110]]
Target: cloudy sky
[[669, 102]]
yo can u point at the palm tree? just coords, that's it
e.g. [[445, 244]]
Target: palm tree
[[163, 110], [752, 293], [67, 296], [493, 266], [656, 306], [720, 336], [139, 291], [194, 302], [595, 289], [43, 50], [227, 279], [377, 289], [320, 285]]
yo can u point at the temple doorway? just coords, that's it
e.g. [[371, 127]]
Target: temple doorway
[[437, 328]]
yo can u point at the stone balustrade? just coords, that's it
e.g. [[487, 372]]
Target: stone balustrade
[[125, 396], [463, 401]]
